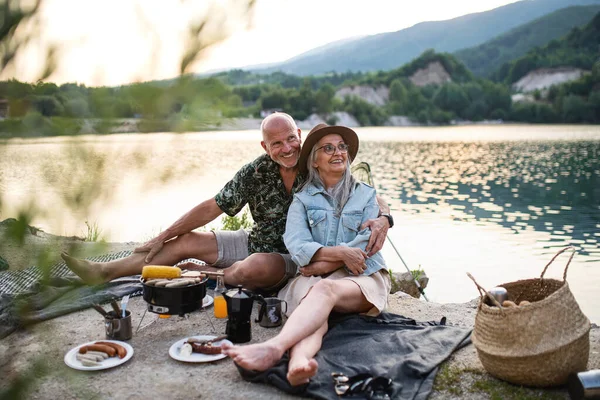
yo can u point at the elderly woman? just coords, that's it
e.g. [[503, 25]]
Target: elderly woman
[[323, 230]]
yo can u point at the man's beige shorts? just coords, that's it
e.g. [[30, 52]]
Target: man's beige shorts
[[233, 246]]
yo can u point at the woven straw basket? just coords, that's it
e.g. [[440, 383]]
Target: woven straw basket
[[538, 344]]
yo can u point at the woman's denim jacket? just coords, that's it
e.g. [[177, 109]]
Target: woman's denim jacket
[[312, 224]]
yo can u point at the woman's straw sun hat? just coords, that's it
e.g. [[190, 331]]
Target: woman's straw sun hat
[[321, 130]]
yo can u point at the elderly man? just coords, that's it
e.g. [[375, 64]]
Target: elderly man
[[257, 259]]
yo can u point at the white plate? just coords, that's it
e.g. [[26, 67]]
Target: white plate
[[110, 362], [207, 301], [196, 357]]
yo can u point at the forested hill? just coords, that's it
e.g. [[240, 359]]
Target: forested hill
[[484, 59], [389, 50], [579, 49], [457, 72]]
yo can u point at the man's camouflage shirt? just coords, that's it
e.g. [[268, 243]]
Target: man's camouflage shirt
[[259, 185]]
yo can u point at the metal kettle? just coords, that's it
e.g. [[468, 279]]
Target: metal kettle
[[239, 302], [239, 310]]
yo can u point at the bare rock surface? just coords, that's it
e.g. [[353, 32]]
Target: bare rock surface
[[433, 74], [405, 282], [545, 77], [377, 96]]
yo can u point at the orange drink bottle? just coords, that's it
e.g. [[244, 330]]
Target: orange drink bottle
[[220, 303]]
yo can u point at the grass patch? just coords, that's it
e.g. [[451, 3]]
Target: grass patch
[[499, 390], [234, 223], [93, 232], [448, 380], [453, 380], [417, 273]]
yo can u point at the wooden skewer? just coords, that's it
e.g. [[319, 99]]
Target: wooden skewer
[[115, 307], [218, 273], [100, 310]]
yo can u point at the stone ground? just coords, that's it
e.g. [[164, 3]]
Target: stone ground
[[151, 373]]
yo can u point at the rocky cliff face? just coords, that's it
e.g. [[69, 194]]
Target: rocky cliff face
[[433, 74], [378, 96], [341, 118], [543, 78]]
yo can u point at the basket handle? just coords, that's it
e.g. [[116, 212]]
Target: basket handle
[[554, 258], [482, 291]]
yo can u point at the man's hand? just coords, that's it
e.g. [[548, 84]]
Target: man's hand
[[319, 268], [152, 247], [354, 259], [379, 228]]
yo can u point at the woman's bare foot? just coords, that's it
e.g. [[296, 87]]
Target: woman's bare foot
[[300, 371], [90, 272], [258, 357]]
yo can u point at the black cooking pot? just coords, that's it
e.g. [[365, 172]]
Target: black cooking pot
[[175, 301]]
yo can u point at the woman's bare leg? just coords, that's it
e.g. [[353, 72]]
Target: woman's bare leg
[[200, 245], [311, 314], [302, 365]]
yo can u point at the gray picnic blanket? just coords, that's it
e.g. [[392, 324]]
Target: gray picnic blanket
[[390, 345], [33, 295]]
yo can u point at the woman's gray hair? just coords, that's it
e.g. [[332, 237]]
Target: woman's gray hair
[[341, 191]]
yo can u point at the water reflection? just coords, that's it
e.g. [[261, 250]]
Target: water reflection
[[551, 187], [477, 199]]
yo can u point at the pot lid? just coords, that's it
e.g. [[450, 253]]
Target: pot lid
[[239, 293]]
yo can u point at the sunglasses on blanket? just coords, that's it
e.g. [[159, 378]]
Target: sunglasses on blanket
[[365, 385]]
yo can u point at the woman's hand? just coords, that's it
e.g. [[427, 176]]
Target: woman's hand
[[354, 259], [152, 247], [319, 268]]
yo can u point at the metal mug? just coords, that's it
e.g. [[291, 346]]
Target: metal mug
[[499, 293], [270, 314], [118, 328]]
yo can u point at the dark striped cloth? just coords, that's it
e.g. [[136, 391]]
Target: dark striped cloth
[[20, 281], [33, 295]]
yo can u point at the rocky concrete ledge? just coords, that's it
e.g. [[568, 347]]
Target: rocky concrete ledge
[[151, 373], [36, 354]]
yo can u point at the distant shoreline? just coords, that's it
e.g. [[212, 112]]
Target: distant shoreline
[[140, 126]]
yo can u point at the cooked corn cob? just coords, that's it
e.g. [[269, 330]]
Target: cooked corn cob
[[160, 271]]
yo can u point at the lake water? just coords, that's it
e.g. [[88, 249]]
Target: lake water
[[496, 201]]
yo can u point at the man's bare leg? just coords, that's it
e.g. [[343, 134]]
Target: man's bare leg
[[258, 270], [311, 314], [200, 245]]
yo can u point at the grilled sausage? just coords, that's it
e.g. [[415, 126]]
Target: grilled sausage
[[88, 357], [205, 348], [120, 350], [98, 346]]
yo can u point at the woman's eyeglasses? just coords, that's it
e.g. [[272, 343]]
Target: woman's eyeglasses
[[330, 149]]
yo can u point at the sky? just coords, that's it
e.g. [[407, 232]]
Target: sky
[[113, 42]]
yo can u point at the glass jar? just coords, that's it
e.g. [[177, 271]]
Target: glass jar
[[220, 305]]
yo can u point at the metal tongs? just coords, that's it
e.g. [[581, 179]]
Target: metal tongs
[[364, 385]]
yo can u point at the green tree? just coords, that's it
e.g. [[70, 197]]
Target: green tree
[[274, 99], [77, 108], [365, 113], [576, 110], [47, 105], [451, 97], [324, 98], [398, 92], [497, 96], [476, 110], [594, 103]]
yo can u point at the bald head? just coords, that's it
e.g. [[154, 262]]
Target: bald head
[[281, 139], [277, 122]]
